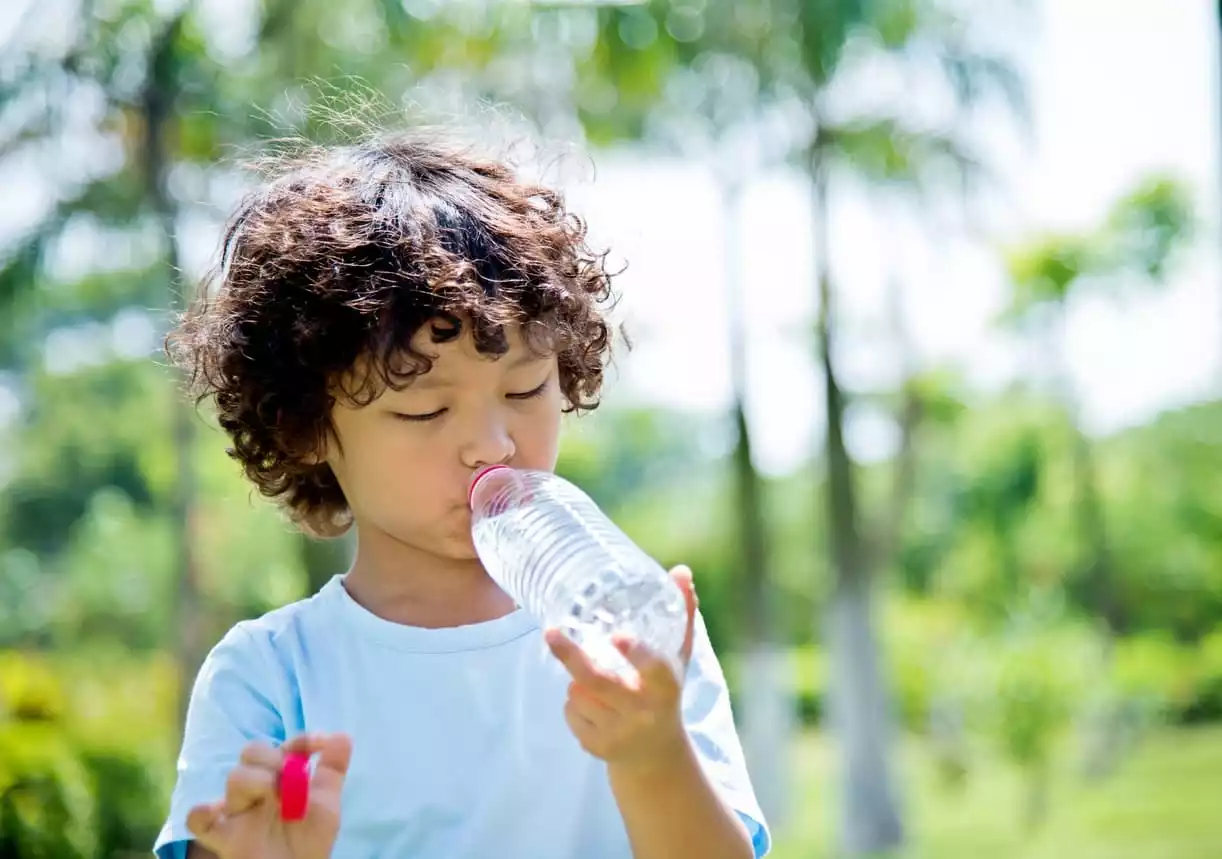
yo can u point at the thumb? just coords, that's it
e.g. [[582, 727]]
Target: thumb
[[334, 757], [682, 576], [207, 822]]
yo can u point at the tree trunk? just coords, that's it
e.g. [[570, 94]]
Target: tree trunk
[[1098, 578], [1096, 559], [858, 704], [1035, 805], [910, 414], [767, 700], [160, 94]]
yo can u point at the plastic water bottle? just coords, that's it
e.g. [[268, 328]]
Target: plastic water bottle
[[547, 545]]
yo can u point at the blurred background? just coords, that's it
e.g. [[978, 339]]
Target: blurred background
[[926, 386]]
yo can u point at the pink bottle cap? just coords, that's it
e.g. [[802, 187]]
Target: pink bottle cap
[[480, 475], [294, 787]]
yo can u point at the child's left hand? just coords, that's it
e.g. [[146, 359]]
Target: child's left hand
[[634, 723]]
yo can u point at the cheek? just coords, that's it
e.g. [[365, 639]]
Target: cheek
[[394, 469], [537, 440]]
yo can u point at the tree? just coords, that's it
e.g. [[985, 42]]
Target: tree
[[671, 56], [169, 100], [885, 151], [683, 80], [1132, 250]]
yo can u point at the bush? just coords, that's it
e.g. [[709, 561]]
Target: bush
[[1157, 673], [76, 773], [1205, 704], [810, 683], [46, 801]]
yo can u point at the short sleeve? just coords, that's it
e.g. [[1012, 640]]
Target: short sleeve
[[230, 707], [710, 724]]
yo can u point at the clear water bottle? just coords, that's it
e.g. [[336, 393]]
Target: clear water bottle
[[548, 546]]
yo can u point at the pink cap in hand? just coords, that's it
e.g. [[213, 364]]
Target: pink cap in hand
[[294, 787]]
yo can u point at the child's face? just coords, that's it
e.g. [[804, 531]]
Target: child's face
[[404, 461]]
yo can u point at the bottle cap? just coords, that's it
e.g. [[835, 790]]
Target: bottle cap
[[294, 787], [479, 476]]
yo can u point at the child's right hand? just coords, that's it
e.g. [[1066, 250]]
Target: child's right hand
[[246, 824]]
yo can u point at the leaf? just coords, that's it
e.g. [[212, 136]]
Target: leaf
[[1149, 224], [1044, 270], [976, 76], [824, 27], [884, 151]]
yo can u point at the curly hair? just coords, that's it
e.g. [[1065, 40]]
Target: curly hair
[[341, 256]]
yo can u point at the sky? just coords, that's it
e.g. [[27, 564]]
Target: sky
[[1119, 88]]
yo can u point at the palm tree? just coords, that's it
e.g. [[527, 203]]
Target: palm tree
[[797, 55], [179, 114], [134, 194], [767, 706], [1133, 249], [158, 101], [699, 97], [885, 150]]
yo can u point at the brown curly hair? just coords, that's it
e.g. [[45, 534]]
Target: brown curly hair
[[341, 256]]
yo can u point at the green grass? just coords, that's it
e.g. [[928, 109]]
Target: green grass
[[1164, 802]]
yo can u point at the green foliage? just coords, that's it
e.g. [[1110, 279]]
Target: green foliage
[[76, 767], [1039, 680], [1043, 270], [45, 795], [1155, 671], [1149, 225], [1181, 683], [1142, 235], [1206, 705]]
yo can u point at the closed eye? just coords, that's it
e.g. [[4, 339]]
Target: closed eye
[[419, 418], [530, 395]]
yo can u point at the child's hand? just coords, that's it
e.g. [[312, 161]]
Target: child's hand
[[629, 724], [246, 824]]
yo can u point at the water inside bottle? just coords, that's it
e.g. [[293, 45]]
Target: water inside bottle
[[591, 597]]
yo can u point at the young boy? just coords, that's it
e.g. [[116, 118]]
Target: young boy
[[392, 316]]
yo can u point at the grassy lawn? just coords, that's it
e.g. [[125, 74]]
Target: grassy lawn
[[1164, 802]]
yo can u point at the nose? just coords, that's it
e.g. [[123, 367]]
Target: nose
[[489, 444]]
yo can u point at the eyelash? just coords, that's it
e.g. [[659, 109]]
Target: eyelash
[[528, 395]]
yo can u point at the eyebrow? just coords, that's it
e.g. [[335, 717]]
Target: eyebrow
[[428, 381]]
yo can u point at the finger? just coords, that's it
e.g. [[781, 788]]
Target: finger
[[590, 705], [304, 744], [248, 786], [204, 822], [611, 690], [582, 726], [262, 755], [655, 671], [683, 578], [334, 758]]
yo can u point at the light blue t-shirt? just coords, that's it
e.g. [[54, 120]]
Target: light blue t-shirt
[[460, 748]]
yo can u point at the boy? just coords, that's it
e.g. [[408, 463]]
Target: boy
[[392, 316]]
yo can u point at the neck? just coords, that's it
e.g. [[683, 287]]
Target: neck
[[406, 584]]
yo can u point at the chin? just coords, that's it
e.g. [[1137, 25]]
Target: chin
[[464, 553], [458, 547]]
